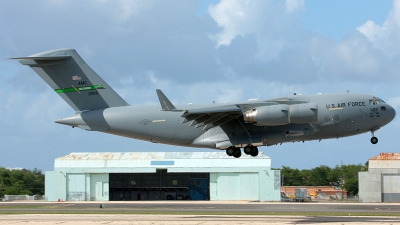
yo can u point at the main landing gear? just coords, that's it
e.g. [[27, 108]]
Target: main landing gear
[[251, 150], [248, 150], [374, 139], [234, 151]]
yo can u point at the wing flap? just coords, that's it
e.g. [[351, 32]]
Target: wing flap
[[217, 109], [210, 117]]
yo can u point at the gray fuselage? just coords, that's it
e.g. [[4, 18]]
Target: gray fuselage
[[339, 115]]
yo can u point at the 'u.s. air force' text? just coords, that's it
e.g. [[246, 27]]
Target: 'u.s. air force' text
[[343, 104]]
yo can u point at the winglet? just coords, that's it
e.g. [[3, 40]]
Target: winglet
[[166, 105]]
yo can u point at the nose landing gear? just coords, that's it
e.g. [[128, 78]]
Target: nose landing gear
[[374, 139]]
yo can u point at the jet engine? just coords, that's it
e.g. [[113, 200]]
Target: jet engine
[[272, 115], [275, 115]]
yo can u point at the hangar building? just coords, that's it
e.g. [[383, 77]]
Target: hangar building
[[127, 176], [381, 183]]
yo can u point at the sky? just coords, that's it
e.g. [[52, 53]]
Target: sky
[[197, 52]]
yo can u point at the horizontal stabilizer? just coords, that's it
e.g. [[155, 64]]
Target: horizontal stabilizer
[[50, 58]]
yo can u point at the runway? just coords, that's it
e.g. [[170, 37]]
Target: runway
[[198, 212], [48, 219]]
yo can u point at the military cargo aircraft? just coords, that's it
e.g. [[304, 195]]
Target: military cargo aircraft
[[228, 126]]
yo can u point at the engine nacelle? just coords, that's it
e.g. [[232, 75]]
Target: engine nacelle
[[275, 115], [272, 115]]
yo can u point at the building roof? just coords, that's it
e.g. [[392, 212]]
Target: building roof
[[152, 155], [150, 161], [386, 156]]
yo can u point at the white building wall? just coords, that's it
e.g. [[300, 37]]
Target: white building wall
[[370, 183], [384, 164], [99, 187], [369, 187], [55, 186], [85, 176], [270, 185]]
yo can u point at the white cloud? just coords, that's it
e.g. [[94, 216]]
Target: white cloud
[[272, 23], [385, 37], [234, 17], [138, 46]]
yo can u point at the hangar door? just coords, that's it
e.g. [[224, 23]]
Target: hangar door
[[390, 188], [158, 186], [234, 186], [76, 187]]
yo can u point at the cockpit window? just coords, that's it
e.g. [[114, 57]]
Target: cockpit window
[[375, 101]]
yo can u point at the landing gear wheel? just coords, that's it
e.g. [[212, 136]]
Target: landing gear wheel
[[248, 149], [238, 153], [374, 140], [254, 152], [230, 151]]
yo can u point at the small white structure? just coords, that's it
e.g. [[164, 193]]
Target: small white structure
[[381, 183], [162, 175]]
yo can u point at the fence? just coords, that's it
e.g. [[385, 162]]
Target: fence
[[22, 197]]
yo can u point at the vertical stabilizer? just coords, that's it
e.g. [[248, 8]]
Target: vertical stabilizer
[[69, 76]]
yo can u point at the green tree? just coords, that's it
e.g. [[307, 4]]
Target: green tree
[[350, 175], [19, 182], [291, 177], [319, 175], [345, 176]]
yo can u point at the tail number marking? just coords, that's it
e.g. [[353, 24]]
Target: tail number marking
[[91, 93]]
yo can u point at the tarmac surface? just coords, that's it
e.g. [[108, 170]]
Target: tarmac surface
[[198, 212], [189, 219]]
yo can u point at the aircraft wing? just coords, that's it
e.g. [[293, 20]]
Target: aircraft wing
[[210, 117]]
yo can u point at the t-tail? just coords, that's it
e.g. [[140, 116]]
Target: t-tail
[[69, 76]]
